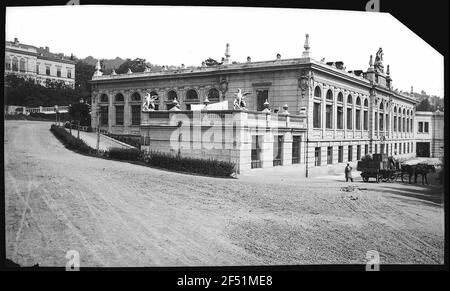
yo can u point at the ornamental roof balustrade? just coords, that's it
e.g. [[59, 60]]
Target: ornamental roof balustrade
[[251, 119]]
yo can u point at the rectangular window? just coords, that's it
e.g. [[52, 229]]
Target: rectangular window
[[358, 152], [316, 115], [340, 118], [399, 148], [340, 154], [58, 72], [376, 149], [381, 121], [69, 73], [119, 115], [420, 126], [404, 148], [277, 150], [408, 149], [395, 148], [395, 123], [47, 70], [329, 116], [37, 69], [375, 121], [256, 152], [425, 127], [349, 118], [366, 149], [411, 125], [382, 148], [387, 122], [104, 115], [135, 114], [296, 149], [350, 153], [317, 156], [403, 125], [358, 119], [261, 97], [329, 155], [366, 120]]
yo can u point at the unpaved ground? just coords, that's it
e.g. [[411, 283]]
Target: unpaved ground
[[119, 214]]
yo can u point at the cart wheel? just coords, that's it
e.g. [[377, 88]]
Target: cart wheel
[[384, 179]]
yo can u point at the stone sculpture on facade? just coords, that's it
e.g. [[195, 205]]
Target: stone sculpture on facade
[[239, 101], [379, 61], [149, 103]]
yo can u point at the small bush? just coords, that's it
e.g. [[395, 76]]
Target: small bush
[[70, 141], [125, 154], [184, 164], [132, 140]]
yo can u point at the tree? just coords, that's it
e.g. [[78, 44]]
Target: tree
[[424, 105], [212, 62], [79, 112], [136, 65]]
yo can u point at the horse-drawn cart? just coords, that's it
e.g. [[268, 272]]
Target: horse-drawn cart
[[379, 167]]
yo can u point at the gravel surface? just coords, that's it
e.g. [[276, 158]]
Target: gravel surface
[[120, 214]]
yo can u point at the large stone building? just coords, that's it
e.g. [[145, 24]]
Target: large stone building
[[429, 130], [335, 116], [38, 63]]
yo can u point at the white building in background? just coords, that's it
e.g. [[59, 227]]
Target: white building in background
[[38, 63], [429, 134]]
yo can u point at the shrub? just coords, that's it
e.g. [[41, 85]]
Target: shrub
[[184, 164], [125, 154], [70, 141], [132, 140]]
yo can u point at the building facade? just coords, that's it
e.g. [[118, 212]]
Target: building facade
[[344, 114], [429, 130], [38, 63]]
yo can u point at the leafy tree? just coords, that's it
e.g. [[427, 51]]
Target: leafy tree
[[79, 112], [424, 105], [212, 62], [136, 65]]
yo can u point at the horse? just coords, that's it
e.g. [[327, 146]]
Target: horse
[[418, 169], [424, 169]]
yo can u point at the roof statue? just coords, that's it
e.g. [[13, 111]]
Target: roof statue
[[379, 61], [239, 102]]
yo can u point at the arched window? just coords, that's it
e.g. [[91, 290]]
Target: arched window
[[22, 65], [366, 103], [154, 95], [104, 98], [329, 95], [404, 111], [135, 97], [340, 97], [7, 63], [191, 94], [171, 95], [119, 97], [381, 105], [213, 94], [15, 64], [317, 92], [358, 101], [349, 112], [349, 99]]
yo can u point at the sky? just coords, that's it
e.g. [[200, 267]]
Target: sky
[[169, 35]]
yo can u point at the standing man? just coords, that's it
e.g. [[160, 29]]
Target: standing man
[[348, 173]]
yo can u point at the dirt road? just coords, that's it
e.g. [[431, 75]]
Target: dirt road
[[119, 214]]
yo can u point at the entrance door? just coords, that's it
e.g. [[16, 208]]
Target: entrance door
[[423, 149]]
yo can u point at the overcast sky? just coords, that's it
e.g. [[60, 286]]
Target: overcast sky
[[175, 35]]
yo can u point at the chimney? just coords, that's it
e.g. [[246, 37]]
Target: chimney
[[47, 49], [16, 40]]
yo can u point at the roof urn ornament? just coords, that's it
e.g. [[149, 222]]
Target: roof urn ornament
[[98, 68], [227, 54], [306, 46]]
